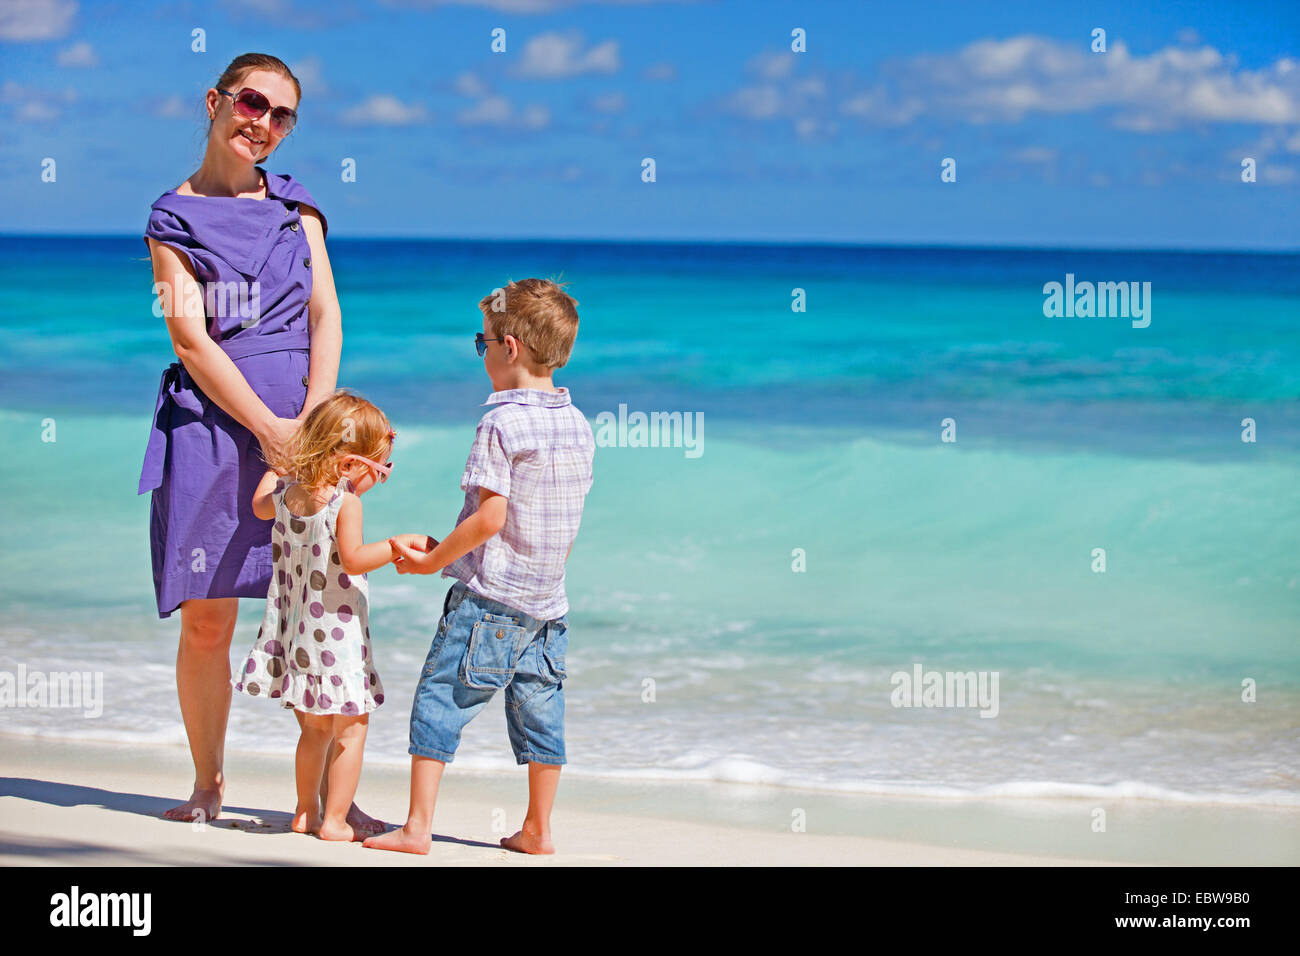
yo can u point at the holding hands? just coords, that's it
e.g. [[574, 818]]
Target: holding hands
[[412, 553]]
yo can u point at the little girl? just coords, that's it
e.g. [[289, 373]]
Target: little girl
[[313, 649]]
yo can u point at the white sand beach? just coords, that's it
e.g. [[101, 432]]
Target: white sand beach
[[97, 804]]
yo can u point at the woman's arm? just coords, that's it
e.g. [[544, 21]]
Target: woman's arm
[[208, 365], [355, 557], [324, 317]]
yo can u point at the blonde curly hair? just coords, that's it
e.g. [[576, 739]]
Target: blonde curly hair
[[343, 424]]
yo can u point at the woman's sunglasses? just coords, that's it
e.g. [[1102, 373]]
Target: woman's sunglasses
[[253, 105], [383, 470]]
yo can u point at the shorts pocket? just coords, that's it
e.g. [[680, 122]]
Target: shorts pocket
[[489, 661], [553, 651]]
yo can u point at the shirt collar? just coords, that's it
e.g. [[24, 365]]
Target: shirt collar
[[530, 396]]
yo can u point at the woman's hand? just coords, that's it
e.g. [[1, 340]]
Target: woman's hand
[[277, 433]]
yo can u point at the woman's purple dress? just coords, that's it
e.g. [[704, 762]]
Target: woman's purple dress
[[254, 262]]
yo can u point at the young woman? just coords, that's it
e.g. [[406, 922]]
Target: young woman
[[240, 267]]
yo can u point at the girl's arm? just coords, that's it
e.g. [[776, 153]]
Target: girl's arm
[[211, 368], [263, 506], [355, 557], [489, 519], [324, 317]]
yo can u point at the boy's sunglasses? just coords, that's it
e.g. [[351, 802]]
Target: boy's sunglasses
[[253, 105], [383, 470], [480, 343]]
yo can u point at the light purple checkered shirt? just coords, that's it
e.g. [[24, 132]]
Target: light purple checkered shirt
[[536, 449]]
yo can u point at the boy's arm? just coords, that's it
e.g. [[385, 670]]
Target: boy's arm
[[487, 520], [263, 506], [355, 557]]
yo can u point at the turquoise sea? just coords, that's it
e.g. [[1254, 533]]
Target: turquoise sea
[[697, 650]]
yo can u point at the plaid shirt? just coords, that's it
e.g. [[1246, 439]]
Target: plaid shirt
[[536, 449]]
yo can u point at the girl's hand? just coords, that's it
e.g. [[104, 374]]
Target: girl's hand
[[417, 542], [410, 560], [277, 434]]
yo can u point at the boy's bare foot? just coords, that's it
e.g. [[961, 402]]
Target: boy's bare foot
[[525, 842], [305, 821], [203, 805], [400, 840], [341, 832], [363, 822]]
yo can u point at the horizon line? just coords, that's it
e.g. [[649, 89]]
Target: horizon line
[[829, 243]]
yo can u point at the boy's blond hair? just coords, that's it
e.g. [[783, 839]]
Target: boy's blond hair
[[343, 424], [539, 314]]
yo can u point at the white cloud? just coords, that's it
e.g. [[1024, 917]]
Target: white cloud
[[469, 84], [557, 55], [311, 75], [1034, 154], [524, 6], [778, 92], [772, 65], [535, 116], [661, 72], [877, 106], [24, 20], [35, 111], [78, 55], [491, 111], [497, 111], [33, 104], [1006, 80], [1277, 175], [171, 108], [385, 110], [614, 102], [756, 102]]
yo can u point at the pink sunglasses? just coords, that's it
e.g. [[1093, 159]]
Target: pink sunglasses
[[383, 470]]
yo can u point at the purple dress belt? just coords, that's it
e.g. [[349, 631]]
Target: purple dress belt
[[178, 390]]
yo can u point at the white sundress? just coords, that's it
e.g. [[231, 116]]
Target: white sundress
[[313, 648]]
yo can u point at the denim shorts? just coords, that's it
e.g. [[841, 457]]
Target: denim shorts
[[482, 646]]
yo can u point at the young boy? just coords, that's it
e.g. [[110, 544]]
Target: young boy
[[504, 621]]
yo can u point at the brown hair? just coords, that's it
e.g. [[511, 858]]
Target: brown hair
[[343, 424], [539, 314], [246, 63]]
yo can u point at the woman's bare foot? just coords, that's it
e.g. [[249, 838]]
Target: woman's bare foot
[[363, 822], [305, 820], [203, 805], [400, 840], [525, 842], [341, 832]]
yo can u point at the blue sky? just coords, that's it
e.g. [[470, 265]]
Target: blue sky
[[1055, 145]]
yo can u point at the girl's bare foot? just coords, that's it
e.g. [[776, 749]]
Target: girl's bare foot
[[306, 820], [361, 821], [341, 832], [401, 840], [203, 805], [525, 842]]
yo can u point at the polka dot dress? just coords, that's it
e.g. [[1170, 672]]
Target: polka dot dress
[[313, 648]]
